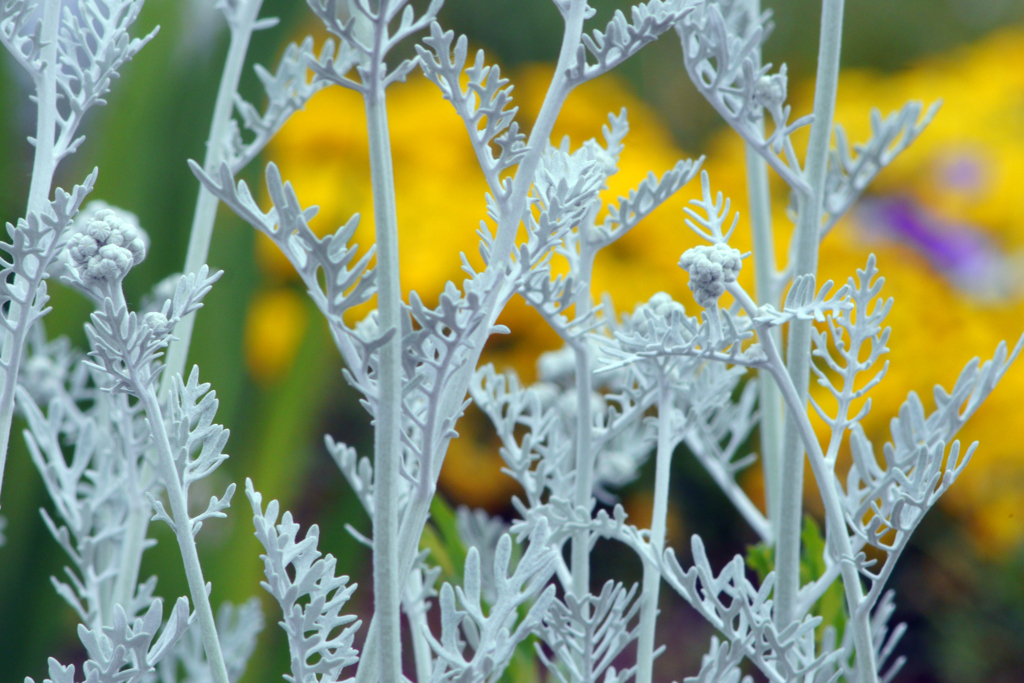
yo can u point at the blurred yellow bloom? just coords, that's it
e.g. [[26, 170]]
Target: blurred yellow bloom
[[274, 327], [958, 185]]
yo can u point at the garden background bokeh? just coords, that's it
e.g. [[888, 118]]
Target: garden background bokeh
[[946, 221]]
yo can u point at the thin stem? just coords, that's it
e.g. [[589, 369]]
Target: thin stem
[[387, 442], [787, 553], [206, 205], [512, 210], [659, 518], [540, 135], [186, 541], [771, 404], [584, 425], [835, 520], [139, 511], [416, 614], [198, 249], [584, 470]]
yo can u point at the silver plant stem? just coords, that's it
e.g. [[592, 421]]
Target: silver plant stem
[[770, 400], [387, 443], [798, 358], [580, 560], [139, 512], [206, 205], [835, 519], [511, 212], [186, 541], [659, 519], [44, 164], [198, 248], [416, 613], [43, 167]]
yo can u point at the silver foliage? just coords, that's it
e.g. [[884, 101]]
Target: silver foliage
[[295, 571], [94, 44], [475, 646], [197, 446], [125, 652], [586, 654]]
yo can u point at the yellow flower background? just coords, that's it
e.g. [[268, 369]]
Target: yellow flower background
[[963, 176]]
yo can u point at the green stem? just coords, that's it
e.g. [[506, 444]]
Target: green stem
[[659, 518], [806, 240]]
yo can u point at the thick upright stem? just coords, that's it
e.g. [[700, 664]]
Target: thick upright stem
[[584, 469], [659, 519], [186, 541], [771, 404], [387, 442], [43, 167], [798, 357], [765, 266], [206, 205]]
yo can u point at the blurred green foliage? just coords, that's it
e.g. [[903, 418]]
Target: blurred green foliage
[[158, 117]]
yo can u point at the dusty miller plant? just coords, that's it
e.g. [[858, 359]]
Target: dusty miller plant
[[120, 432]]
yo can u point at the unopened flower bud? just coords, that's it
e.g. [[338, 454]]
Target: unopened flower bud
[[107, 249], [770, 91], [157, 321], [710, 268]]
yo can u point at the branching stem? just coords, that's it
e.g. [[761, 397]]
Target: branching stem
[[43, 167], [198, 250], [186, 541], [835, 520]]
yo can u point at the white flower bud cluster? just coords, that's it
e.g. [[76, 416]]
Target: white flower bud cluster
[[107, 249], [660, 304], [770, 93], [158, 322], [711, 268]]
